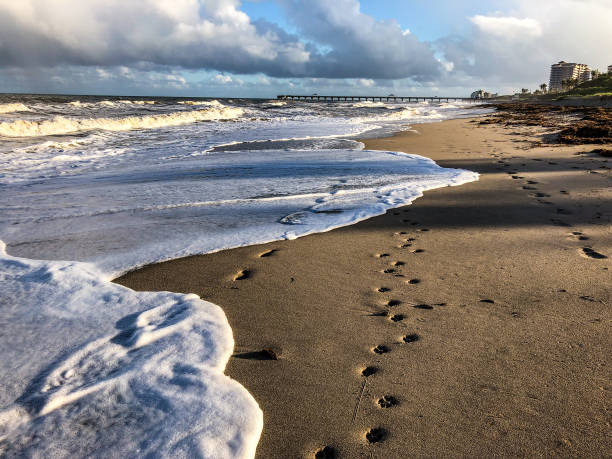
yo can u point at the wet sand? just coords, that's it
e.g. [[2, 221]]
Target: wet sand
[[481, 312]]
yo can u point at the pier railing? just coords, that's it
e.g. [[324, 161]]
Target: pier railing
[[390, 98]]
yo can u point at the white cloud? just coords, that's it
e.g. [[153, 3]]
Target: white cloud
[[223, 79], [209, 34], [508, 27], [516, 49], [366, 82], [187, 33]]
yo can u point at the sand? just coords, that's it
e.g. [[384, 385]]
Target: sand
[[482, 311]]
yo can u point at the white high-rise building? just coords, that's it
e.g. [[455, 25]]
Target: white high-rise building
[[564, 71]]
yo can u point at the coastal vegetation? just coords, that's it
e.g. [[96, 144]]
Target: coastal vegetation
[[600, 86]]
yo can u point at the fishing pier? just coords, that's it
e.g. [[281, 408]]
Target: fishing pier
[[389, 98]]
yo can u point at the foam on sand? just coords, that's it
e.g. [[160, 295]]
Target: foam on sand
[[115, 371], [11, 108], [63, 125]]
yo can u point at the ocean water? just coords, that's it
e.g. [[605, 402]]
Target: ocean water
[[92, 187]]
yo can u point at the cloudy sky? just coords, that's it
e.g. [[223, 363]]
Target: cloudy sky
[[260, 48]]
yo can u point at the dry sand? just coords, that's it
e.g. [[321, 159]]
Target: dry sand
[[493, 320]]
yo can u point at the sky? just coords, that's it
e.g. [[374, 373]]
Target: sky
[[262, 48]]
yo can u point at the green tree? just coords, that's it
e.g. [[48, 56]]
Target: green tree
[[543, 87]]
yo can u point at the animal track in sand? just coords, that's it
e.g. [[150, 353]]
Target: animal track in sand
[[376, 435], [392, 303], [589, 252], [487, 301], [541, 195], [397, 317], [423, 230], [418, 251], [369, 371], [525, 187], [414, 281], [531, 182], [389, 271], [267, 253], [383, 289], [380, 349], [387, 401], [580, 236], [411, 338], [517, 177], [326, 453], [242, 275], [399, 263], [423, 306], [382, 255]]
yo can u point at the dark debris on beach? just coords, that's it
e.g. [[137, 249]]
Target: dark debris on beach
[[573, 125]]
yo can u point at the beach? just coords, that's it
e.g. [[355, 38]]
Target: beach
[[473, 322]]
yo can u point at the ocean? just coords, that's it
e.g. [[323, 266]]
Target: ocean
[[92, 187]]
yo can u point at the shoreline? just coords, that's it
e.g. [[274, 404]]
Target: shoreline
[[473, 313]]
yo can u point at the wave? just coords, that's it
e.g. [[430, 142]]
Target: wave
[[62, 125], [110, 103], [210, 103], [10, 108], [138, 102], [370, 104]]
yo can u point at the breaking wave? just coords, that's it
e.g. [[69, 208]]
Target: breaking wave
[[10, 108], [62, 125], [210, 103], [370, 104], [110, 103]]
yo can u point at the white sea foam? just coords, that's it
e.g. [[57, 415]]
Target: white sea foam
[[114, 372], [63, 125], [11, 108]]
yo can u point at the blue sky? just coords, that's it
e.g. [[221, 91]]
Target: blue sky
[[261, 48]]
